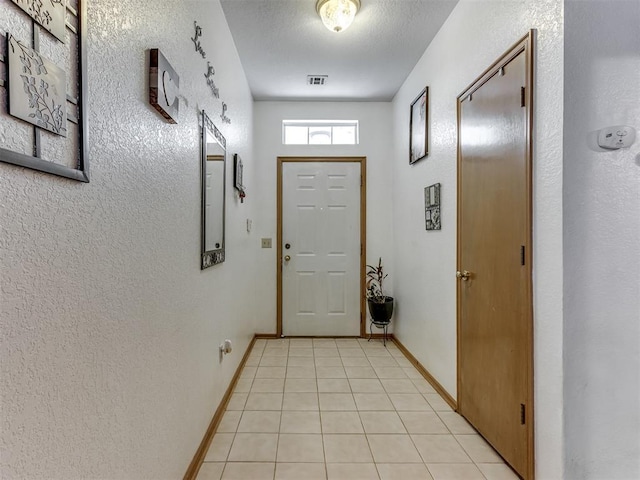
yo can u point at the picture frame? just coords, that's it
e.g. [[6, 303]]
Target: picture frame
[[432, 207], [238, 182], [419, 127]]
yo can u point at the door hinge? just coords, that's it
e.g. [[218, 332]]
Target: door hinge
[[522, 256], [361, 181], [361, 249], [523, 414], [522, 97]]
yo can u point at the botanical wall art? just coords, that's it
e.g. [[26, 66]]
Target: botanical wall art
[[37, 88], [432, 207], [50, 14], [418, 127], [43, 124], [164, 86]]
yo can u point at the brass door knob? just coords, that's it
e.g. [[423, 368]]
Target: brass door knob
[[464, 275], [287, 258]]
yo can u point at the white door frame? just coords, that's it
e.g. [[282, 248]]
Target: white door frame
[[363, 230]]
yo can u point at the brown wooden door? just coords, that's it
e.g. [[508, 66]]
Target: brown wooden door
[[494, 233]]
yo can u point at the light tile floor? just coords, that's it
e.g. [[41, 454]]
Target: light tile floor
[[342, 409]]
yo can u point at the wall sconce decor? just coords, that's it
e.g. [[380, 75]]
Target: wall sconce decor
[[337, 15], [44, 121], [164, 86], [432, 207]]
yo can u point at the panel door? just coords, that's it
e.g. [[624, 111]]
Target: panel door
[[494, 289], [321, 248]]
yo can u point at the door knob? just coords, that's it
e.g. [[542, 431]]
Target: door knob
[[464, 275], [287, 258]]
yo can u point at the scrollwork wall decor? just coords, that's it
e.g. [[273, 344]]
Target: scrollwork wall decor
[[44, 122], [210, 71], [196, 41], [209, 76], [223, 115]]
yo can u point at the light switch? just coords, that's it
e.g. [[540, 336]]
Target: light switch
[[266, 243]]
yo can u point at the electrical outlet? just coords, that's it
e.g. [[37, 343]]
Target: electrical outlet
[[266, 243]]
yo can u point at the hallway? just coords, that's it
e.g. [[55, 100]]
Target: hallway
[[343, 409]]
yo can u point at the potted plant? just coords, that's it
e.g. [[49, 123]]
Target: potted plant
[[380, 305]]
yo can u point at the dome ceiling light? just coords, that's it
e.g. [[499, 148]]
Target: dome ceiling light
[[337, 15]]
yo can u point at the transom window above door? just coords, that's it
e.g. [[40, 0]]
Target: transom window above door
[[320, 132]]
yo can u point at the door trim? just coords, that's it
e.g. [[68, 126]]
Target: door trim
[[526, 44], [363, 230]]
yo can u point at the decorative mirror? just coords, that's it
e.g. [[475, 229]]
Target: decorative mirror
[[213, 193]]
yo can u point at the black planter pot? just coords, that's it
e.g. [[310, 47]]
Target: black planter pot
[[381, 312]]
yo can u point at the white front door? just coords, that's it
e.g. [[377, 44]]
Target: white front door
[[321, 248]]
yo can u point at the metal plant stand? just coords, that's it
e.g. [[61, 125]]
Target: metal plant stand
[[385, 328]]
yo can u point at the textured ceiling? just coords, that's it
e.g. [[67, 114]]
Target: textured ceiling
[[280, 42]]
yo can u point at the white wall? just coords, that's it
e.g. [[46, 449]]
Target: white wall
[[475, 34], [375, 144], [109, 330], [601, 232]]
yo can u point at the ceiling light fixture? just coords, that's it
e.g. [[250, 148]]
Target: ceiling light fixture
[[337, 15]]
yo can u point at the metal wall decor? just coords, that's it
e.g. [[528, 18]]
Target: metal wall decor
[[223, 115], [50, 14], [209, 76], [210, 72], [44, 126], [164, 86], [432, 207], [37, 88], [196, 41], [419, 127]]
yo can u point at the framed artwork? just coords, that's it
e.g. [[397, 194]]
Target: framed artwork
[[43, 87], [418, 127], [432, 207], [237, 177], [164, 85]]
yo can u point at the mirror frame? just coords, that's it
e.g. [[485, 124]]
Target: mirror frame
[[211, 257]]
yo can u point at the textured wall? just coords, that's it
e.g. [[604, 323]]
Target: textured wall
[[109, 329], [601, 256], [375, 135], [474, 36]]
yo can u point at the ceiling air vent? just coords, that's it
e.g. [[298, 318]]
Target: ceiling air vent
[[317, 79]]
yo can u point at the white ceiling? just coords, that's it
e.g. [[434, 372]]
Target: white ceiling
[[280, 42]]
